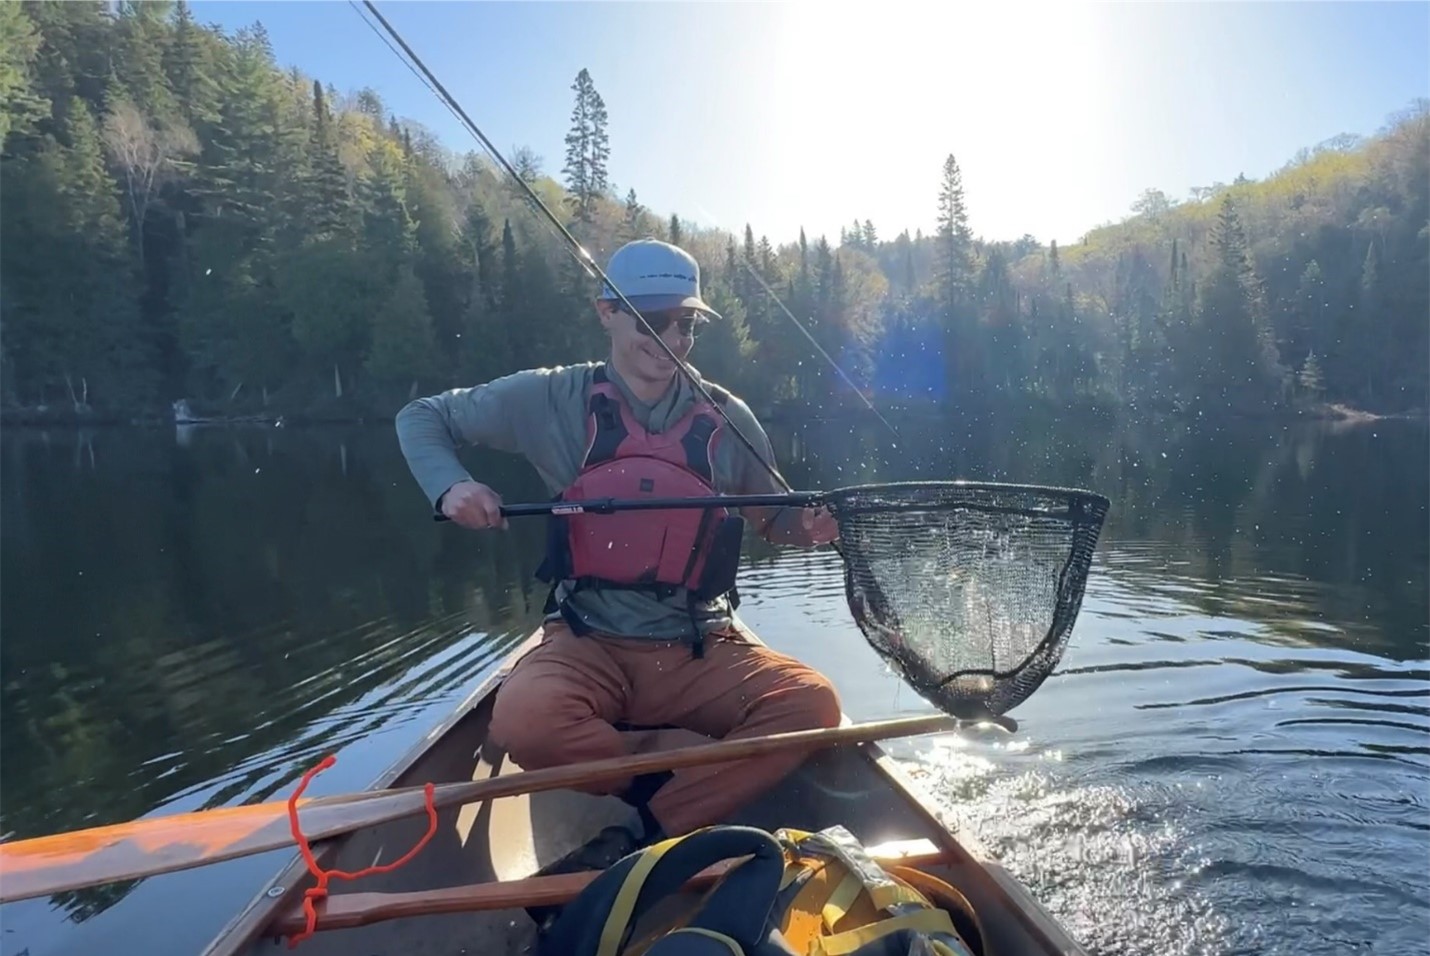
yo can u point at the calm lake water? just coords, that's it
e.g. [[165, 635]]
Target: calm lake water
[[1234, 756]]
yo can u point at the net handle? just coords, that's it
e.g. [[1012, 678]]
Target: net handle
[[1078, 501]]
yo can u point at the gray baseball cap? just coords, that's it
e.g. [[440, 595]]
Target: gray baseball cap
[[656, 275]]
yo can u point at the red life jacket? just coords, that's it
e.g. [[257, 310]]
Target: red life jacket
[[655, 551]]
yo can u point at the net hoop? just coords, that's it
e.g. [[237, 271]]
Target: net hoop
[[1002, 566]]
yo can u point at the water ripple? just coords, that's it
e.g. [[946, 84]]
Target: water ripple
[[1198, 783]]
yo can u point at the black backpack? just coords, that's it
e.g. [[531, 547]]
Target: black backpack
[[796, 894]]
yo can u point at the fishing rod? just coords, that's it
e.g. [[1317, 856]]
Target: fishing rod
[[575, 248], [584, 259]]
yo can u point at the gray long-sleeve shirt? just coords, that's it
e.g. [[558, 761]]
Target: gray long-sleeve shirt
[[541, 415]]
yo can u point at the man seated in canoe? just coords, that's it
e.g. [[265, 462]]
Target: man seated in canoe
[[640, 627]]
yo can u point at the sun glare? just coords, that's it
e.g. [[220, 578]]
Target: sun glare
[[885, 92]]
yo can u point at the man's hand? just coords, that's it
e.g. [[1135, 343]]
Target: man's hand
[[819, 525], [472, 504]]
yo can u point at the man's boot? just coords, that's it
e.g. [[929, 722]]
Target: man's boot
[[612, 844]]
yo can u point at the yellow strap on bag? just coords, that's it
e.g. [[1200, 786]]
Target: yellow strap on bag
[[924, 921], [624, 907], [847, 900], [837, 843], [841, 900]]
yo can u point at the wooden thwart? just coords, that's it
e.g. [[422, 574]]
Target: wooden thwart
[[141, 848], [360, 909]]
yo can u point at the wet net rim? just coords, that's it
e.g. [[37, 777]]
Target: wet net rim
[[1095, 506]]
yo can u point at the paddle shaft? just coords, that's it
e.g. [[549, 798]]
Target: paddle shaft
[[362, 909], [141, 848]]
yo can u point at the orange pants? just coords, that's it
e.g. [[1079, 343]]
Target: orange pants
[[561, 700]]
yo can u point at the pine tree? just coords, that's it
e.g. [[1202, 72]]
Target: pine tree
[[1239, 361], [389, 233], [401, 346], [1372, 349], [330, 206], [587, 148], [1310, 378], [484, 349], [1306, 313], [105, 351], [631, 222], [954, 240], [241, 176], [803, 287], [600, 146], [188, 65], [953, 271], [20, 104], [139, 66], [674, 229], [510, 272], [767, 259], [747, 290]]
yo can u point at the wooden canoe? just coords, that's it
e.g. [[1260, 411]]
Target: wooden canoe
[[508, 839]]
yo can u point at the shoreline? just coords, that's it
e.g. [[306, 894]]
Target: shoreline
[[1337, 413]]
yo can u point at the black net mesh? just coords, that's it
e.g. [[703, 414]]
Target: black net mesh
[[969, 590]]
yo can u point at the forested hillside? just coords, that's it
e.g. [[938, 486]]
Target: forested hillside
[[184, 218]]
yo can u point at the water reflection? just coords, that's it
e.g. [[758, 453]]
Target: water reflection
[[180, 612], [192, 618]]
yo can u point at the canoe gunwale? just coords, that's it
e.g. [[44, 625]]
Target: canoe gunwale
[[262, 908]]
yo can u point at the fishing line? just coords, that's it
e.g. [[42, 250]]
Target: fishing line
[[582, 256], [799, 325]]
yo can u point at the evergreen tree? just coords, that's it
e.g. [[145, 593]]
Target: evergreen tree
[[631, 222], [188, 64], [20, 105], [587, 148], [954, 238], [330, 206], [1238, 360], [510, 271], [400, 344], [952, 278], [143, 39]]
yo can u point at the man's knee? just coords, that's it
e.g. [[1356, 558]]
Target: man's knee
[[543, 717], [820, 702], [528, 721], [808, 698]]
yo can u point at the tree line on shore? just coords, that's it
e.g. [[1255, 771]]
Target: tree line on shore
[[185, 218]]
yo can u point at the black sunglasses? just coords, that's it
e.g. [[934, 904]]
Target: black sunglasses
[[688, 319]]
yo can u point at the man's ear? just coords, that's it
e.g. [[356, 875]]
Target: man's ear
[[605, 310]]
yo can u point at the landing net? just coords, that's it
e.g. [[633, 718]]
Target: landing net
[[969, 591]]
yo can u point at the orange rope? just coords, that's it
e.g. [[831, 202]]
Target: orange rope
[[320, 891]]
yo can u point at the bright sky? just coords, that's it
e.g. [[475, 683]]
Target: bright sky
[[787, 115]]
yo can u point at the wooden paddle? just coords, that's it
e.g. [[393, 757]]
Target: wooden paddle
[[361, 909], [126, 851]]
